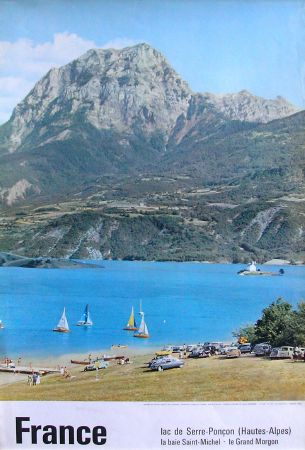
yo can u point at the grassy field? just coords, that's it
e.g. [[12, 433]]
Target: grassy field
[[213, 379]]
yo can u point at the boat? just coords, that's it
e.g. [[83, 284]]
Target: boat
[[62, 326], [143, 330], [252, 270], [118, 346], [104, 358], [85, 320], [131, 324], [1, 324]]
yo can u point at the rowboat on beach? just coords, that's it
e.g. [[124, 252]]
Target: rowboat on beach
[[62, 326], [118, 346], [85, 320], [131, 324], [104, 358]]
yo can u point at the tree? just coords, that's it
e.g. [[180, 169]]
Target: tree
[[247, 331], [277, 324], [299, 325]]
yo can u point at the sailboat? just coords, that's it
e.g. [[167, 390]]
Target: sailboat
[[131, 324], [143, 330], [62, 326], [85, 319]]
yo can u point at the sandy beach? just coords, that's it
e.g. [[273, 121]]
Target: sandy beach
[[57, 361]]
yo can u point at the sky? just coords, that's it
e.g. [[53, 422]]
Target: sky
[[217, 46]]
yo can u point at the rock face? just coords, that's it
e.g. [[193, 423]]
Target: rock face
[[247, 107], [120, 89], [117, 112], [129, 89]]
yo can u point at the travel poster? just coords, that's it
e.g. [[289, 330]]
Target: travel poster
[[152, 224]]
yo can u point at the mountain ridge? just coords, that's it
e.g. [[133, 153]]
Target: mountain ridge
[[114, 156]]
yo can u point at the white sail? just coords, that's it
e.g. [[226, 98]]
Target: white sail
[[143, 327], [63, 323]]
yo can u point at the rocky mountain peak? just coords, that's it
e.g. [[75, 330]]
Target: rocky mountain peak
[[247, 107], [124, 89]]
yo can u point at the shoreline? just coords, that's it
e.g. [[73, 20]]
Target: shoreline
[[64, 360], [95, 263]]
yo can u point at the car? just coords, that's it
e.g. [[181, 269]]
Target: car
[[285, 352], [191, 347], [262, 349], [96, 365], [234, 352], [216, 346], [177, 348], [167, 348], [199, 352], [164, 352], [223, 350], [166, 363], [245, 348]]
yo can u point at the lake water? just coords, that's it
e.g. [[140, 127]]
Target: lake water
[[183, 303]]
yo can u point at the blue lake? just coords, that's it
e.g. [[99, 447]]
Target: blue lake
[[183, 303]]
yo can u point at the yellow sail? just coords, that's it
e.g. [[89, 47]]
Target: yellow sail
[[131, 324], [131, 319]]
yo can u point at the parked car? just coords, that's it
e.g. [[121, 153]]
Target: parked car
[[234, 352], [167, 348], [223, 350], [97, 365], [177, 348], [166, 363], [164, 352], [216, 346], [245, 348], [284, 352], [211, 349], [199, 352], [156, 358], [262, 349], [191, 347]]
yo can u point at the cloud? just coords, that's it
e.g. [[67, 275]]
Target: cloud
[[24, 62]]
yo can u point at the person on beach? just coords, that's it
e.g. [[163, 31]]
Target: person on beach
[[18, 361], [66, 373], [62, 371], [30, 380], [38, 379], [34, 379]]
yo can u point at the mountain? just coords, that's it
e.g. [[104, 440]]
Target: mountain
[[114, 156], [113, 112]]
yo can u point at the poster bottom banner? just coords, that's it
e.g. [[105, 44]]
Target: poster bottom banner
[[136, 426]]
